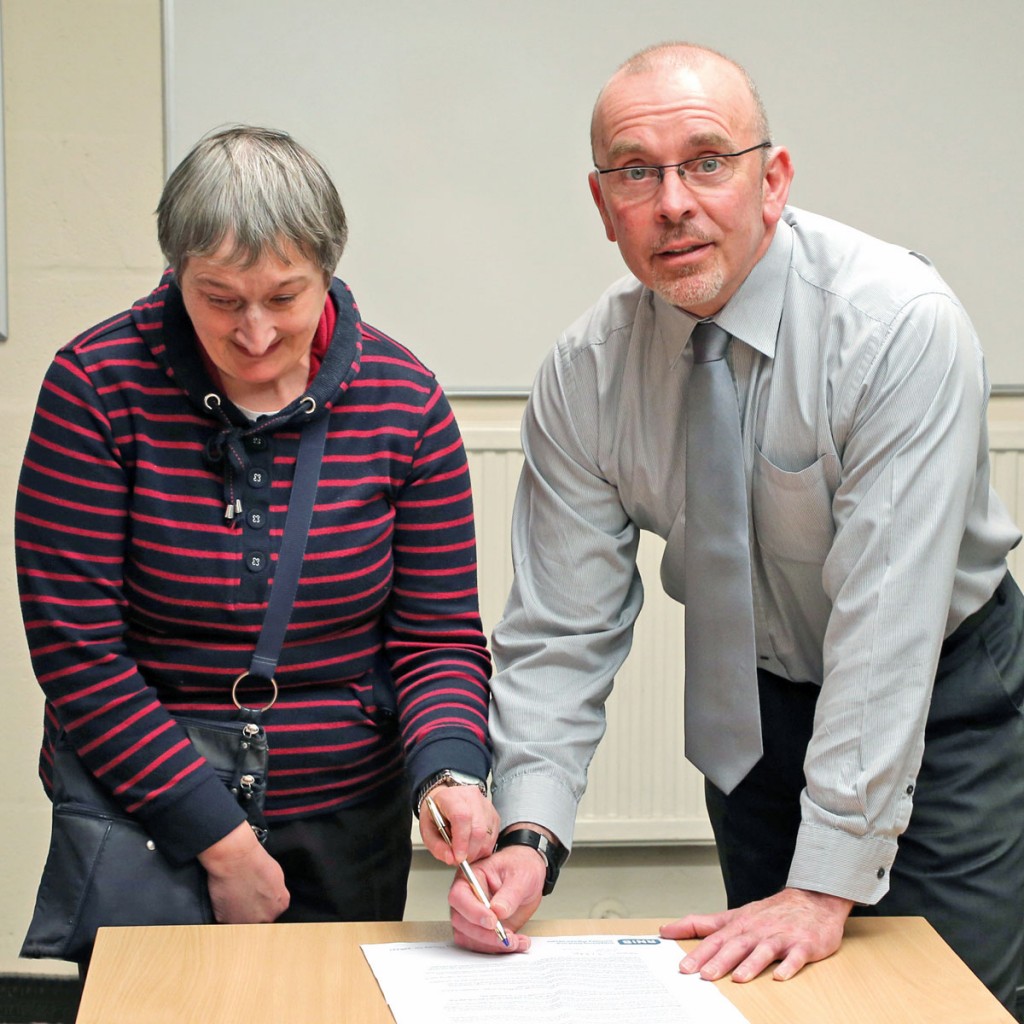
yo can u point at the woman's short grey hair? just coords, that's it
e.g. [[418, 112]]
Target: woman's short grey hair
[[257, 187]]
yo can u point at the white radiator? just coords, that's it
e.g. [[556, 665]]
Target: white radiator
[[1006, 448], [641, 789]]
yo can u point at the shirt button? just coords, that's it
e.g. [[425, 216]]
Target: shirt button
[[257, 477], [880, 873], [256, 443], [256, 561], [256, 518]]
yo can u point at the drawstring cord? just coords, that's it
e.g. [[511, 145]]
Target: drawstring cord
[[227, 446]]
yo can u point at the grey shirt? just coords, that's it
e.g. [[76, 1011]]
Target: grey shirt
[[874, 530]]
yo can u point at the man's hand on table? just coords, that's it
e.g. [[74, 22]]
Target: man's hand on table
[[794, 926]]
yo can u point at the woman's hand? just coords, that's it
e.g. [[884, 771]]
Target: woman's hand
[[246, 884], [472, 824]]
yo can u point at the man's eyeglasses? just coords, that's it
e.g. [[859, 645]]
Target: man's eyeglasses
[[641, 181]]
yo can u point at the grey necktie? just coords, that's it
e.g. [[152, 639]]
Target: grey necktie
[[722, 715]]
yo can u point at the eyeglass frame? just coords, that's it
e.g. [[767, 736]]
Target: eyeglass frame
[[680, 167]]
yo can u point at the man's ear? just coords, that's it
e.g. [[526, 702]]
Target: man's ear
[[778, 176], [595, 191]]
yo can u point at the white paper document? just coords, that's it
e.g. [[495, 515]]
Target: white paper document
[[597, 979]]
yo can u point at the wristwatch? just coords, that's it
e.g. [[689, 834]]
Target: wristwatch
[[553, 852], [447, 777]]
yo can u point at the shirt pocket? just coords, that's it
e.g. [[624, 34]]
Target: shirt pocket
[[792, 511]]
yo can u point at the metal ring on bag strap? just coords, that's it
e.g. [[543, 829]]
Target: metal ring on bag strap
[[243, 707]]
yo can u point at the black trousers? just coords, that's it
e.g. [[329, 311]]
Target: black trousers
[[961, 860], [351, 865]]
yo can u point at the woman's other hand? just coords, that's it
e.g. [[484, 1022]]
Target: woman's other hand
[[246, 884]]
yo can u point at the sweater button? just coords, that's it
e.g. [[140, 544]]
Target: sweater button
[[256, 561]]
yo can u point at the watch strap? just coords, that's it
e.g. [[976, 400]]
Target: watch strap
[[553, 852], [447, 777]]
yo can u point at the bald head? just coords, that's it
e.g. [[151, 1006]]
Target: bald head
[[668, 57], [690, 240]]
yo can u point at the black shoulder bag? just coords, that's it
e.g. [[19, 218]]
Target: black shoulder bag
[[102, 868]]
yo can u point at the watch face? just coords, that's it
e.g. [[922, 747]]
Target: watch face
[[462, 779]]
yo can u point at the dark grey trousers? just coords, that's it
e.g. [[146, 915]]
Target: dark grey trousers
[[350, 865], [961, 860]]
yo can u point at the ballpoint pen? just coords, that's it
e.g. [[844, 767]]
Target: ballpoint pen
[[467, 871]]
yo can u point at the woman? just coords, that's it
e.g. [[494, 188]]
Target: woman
[[149, 519]]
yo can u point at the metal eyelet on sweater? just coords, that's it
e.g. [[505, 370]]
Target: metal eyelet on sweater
[[212, 400], [310, 402]]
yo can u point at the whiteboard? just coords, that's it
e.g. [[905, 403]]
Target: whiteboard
[[457, 134]]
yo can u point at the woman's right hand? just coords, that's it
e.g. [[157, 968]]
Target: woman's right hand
[[246, 884]]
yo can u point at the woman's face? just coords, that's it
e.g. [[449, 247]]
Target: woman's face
[[256, 324]]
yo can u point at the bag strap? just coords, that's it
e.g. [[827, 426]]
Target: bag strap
[[293, 548]]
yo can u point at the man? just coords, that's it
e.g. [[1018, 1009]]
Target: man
[[876, 548]]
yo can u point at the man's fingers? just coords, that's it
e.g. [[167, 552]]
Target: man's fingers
[[795, 961], [763, 954], [699, 956], [473, 924], [693, 926], [512, 880], [717, 956]]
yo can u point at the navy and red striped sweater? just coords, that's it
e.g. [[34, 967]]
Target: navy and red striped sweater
[[141, 600]]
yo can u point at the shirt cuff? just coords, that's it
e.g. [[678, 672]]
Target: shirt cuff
[[831, 861], [536, 798]]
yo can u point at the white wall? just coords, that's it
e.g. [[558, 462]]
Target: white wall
[[457, 132]]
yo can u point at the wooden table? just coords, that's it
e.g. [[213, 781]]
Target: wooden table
[[889, 971]]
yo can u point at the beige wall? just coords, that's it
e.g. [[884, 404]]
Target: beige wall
[[84, 164], [82, 95]]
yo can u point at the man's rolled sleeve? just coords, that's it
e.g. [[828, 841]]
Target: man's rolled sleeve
[[841, 864]]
